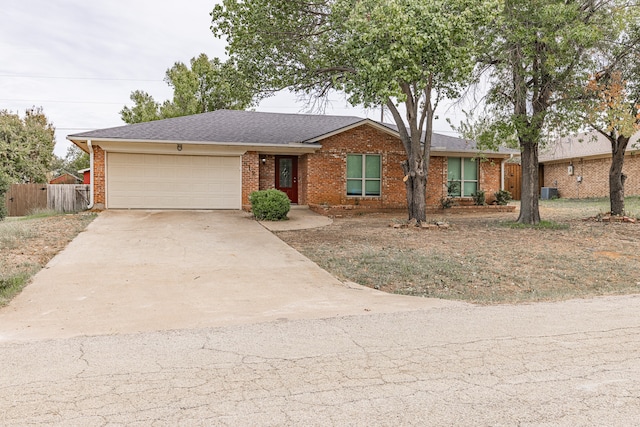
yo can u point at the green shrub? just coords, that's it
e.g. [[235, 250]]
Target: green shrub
[[479, 198], [4, 187], [446, 202], [270, 205], [502, 197], [453, 188]]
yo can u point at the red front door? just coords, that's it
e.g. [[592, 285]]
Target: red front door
[[287, 176]]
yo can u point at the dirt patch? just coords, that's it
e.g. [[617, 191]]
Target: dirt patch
[[480, 257]]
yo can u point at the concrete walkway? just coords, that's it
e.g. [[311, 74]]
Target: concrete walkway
[[300, 218], [134, 271]]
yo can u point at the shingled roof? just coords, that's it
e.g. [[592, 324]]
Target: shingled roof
[[229, 126], [584, 145], [256, 128], [445, 143]]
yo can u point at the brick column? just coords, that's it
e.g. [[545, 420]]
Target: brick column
[[99, 173], [250, 177]]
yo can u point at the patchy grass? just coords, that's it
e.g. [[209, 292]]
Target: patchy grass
[[543, 225], [27, 244], [580, 208], [12, 282], [13, 233], [483, 258]]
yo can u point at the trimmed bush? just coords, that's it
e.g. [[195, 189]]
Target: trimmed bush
[[270, 205]]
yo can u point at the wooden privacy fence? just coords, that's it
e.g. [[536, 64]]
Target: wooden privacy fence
[[23, 199], [513, 179]]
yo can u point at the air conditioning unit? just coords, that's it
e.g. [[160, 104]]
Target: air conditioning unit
[[548, 193]]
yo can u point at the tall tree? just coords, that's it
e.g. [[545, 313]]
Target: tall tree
[[538, 55], [393, 52], [26, 145], [206, 85], [74, 161], [612, 101]]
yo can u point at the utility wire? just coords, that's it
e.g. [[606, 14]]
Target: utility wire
[[79, 78]]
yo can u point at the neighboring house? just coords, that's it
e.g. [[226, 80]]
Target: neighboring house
[[86, 175], [215, 160], [65, 178], [578, 166]]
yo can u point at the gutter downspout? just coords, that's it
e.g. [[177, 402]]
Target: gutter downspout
[[502, 163], [91, 173]]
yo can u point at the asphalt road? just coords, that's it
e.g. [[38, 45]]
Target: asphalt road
[[569, 363]]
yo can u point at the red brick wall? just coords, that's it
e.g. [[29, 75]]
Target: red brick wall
[[595, 177], [436, 180], [250, 176], [267, 172], [490, 177], [324, 179], [303, 179], [99, 173]]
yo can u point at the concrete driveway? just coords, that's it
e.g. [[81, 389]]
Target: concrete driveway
[[134, 271]]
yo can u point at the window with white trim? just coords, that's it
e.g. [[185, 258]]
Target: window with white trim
[[462, 176], [363, 175]]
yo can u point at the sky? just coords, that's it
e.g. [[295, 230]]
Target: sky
[[80, 60]]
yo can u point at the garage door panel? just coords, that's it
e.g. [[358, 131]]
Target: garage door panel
[[152, 181]]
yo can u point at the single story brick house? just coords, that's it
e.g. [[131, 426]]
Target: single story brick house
[[578, 166], [215, 160]]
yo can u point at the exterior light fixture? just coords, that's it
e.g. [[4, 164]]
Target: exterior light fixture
[[263, 159], [179, 147]]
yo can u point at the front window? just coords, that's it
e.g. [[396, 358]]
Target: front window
[[462, 176], [363, 175]]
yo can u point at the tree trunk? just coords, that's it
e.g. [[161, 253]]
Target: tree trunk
[[616, 177], [416, 194], [529, 212]]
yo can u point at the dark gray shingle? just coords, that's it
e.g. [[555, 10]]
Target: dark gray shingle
[[229, 126]]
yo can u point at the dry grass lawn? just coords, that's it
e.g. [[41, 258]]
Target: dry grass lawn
[[27, 244], [483, 258]]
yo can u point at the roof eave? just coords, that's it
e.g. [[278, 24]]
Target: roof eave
[[312, 146]]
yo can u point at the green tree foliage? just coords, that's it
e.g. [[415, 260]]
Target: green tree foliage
[[612, 99], [74, 161], [4, 187], [206, 85], [26, 145], [145, 108], [537, 57], [409, 52]]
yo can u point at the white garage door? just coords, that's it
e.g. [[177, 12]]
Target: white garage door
[[154, 181]]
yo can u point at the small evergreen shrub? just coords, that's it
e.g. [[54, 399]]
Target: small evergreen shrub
[[502, 197], [479, 198], [446, 202], [270, 205]]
